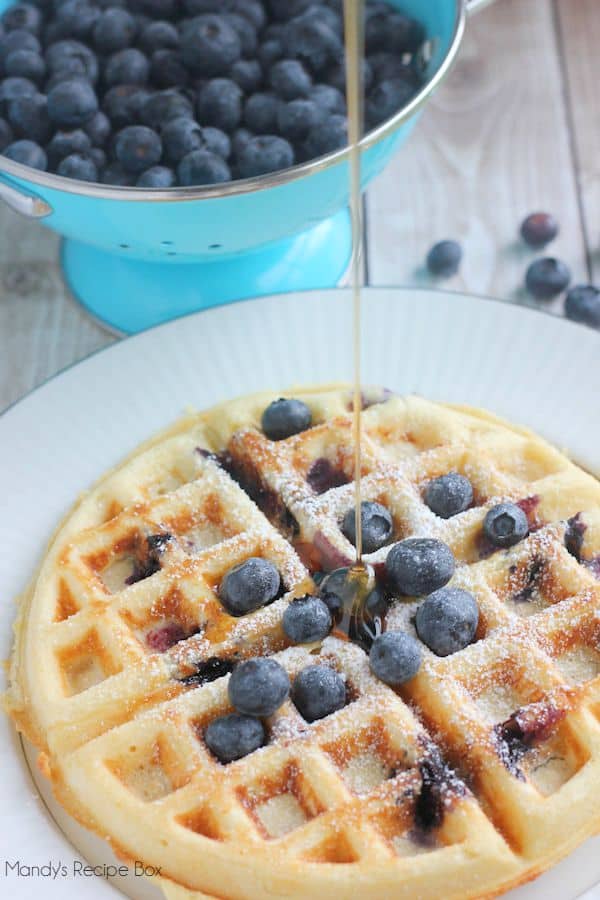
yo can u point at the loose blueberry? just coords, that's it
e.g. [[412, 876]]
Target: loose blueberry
[[260, 113], [72, 103], [158, 36], [327, 137], [203, 167], [377, 526], [167, 69], [336, 76], [116, 175], [98, 156], [449, 495], [98, 129], [125, 104], [546, 278], [220, 104], [395, 657], [164, 106], [217, 142], [296, 119], [27, 153], [6, 134], [313, 42], [269, 52], [22, 16], [249, 585], [328, 98], [137, 148], [247, 73], [538, 229], [180, 136], [79, 166], [282, 418], [317, 692], [19, 39], [447, 620], [210, 45], [444, 258], [263, 154], [583, 305], [289, 79], [386, 99], [26, 64], [307, 619], [114, 30], [29, 118], [234, 736], [11, 88], [76, 19], [157, 177], [389, 30], [288, 9], [505, 525], [258, 687], [245, 31], [332, 590], [68, 59], [418, 566], [129, 66]]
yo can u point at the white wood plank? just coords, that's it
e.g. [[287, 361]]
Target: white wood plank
[[492, 146]]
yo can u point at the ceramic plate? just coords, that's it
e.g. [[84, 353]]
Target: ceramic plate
[[532, 368]]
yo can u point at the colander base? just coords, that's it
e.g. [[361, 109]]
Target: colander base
[[127, 295]]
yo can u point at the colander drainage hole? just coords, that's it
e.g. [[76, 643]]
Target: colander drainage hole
[[125, 246], [215, 246], [166, 243]]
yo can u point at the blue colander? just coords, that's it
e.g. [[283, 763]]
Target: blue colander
[[134, 257]]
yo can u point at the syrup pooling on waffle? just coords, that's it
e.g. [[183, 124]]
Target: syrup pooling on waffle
[[478, 771]]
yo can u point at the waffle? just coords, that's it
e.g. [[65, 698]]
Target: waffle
[[473, 777]]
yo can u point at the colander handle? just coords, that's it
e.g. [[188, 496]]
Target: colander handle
[[474, 6], [25, 204]]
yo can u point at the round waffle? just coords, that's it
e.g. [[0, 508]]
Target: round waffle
[[475, 776]]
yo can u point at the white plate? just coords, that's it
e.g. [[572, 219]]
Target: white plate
[[532, 368]]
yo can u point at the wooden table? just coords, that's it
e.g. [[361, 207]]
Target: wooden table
[[515, 128]]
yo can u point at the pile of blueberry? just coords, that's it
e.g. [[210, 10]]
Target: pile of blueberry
[[159, 93], [446, 619], [545, 278]]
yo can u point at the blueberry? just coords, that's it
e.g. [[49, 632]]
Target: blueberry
[[327, 15], [203, 167], [419, 566], [307, 619], [385, 66], [210, 45], [444, 258], [336, 75], [395, 657], [386, 99], [583, 305], [447, 620], [296, 119], [98, 129], [327, 137], [246, 32], [282, 418], [116, 175], [22, 16], [269, 52], [98, 157], [29, 118], [317, 692], [247, 73], [26, 64], [159, 36], [239, 139], [216, 141], [449, 495], [76, 19], [159, 9], [260, 113], [157, 177], [288, 9], [79, 166], [128, 66], [180, 136], [389, 30], [220, 104], [249, 585], [252, 10], [289, 79], [164, 106], [115, 30], [538, 229], [505, 525], [27, 153], [333, 590], [234, 736], [137, 147], [6, 135], [72, 103], [377, 526], [11, 88], [313, 42], [264, 153], [18, 40], [167, 69], [328, 98], [547, 277], [125, 104], [258, 687], [69, 58]]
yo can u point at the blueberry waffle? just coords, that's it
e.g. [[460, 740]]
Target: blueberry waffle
[[201, 697]]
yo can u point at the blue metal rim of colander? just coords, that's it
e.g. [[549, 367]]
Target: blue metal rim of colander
[[262, 182]]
